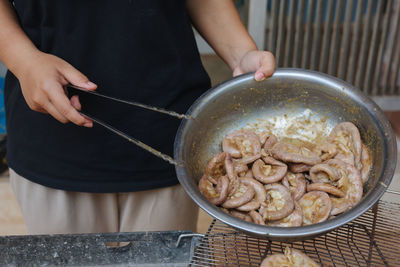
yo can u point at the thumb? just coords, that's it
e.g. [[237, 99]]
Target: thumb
[[267, 66], [76, 78]]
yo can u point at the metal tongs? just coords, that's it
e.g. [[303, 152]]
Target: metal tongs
[[122, 134]]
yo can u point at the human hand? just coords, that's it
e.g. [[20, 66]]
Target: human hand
[[262, 62], [42, 81]]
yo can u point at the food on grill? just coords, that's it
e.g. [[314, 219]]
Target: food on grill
[[287, 182], [291, 258]]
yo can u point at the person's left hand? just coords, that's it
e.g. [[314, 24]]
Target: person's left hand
[[262, 62]]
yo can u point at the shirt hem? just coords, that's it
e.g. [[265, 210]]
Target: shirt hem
[[93, 186]]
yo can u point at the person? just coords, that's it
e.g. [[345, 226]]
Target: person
[[72, 176]]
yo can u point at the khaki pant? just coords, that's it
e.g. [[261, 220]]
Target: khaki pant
[[52, 211]]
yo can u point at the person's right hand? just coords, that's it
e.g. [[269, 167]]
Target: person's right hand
[[42, 80]]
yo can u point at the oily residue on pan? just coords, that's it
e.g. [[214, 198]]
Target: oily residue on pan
[[304, 126]]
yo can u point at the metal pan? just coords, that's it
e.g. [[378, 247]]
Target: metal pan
[[288, 93]]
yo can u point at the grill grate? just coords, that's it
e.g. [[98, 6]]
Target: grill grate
[[373, 239]]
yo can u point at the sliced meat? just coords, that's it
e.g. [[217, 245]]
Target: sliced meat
[[326, 188], [295, 154], [249, 206], [256, 217], [216, 167], [316, 207], [243, 144], [328, 172], [262, 136], [299, 167], [240, 168], [259, 196], [270, 141], [347, 139], [351, 184], [241, 215], [216, 195], [232, 175], [249, 174], [326, 151], [292, 220], [296, 183], [279, 203], [268, 170], [239, 197]]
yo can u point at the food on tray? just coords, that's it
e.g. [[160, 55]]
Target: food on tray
[[287, 182], [291, 258]]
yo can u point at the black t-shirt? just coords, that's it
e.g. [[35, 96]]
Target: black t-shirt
[[140, 50]]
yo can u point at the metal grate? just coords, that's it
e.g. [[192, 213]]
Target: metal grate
[[373, 239], [355, 40]]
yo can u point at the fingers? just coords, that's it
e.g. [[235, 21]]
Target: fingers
[[75, 77], [267, 66], [51, 109], [263, 62], [64, 111], [77, 105], [75, 102]]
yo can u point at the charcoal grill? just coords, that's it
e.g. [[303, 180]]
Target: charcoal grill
[[373, 239]]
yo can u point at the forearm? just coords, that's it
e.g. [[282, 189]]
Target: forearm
[[15, 47], [219, 23]]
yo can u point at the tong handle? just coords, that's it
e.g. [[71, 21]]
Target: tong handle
[[132, 103], [124, 135], [132, 139]]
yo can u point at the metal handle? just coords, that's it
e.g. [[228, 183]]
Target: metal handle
[[132, 103], [124, 135], [185, 236]]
